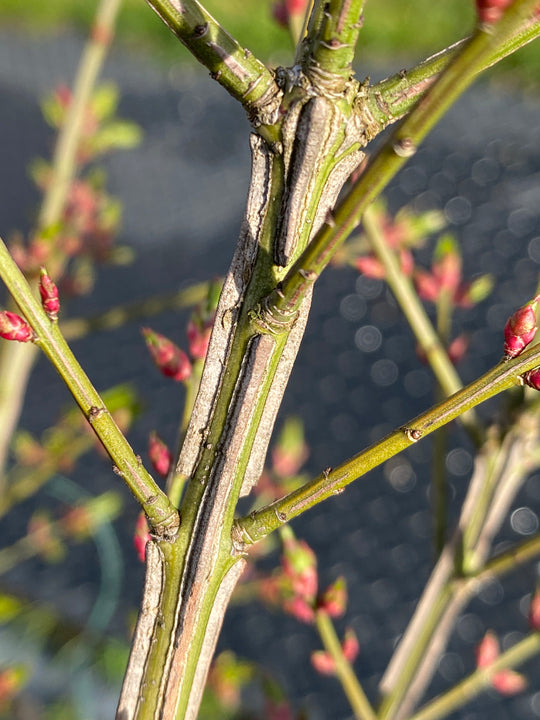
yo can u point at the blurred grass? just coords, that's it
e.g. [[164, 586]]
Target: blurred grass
[[395, 34]]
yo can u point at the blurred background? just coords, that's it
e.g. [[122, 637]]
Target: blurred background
[[66, 618]]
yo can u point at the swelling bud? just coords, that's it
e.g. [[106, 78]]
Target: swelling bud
[[520, 328], [13, 327]]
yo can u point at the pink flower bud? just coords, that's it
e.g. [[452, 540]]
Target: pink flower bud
[[520, 328], [458, 348], [172, 361], [13, 327], [323, 662], [506, 682], [198, 335], [427, 285], [299, 608], [334, 599], [534, 612], [160, 455], [509, 682], [350, 645], [487, 651], [284, 10], [142, 536], [49, 295], [370, 266], [290, 451], [532, 378], [300, 567], [447, 268]]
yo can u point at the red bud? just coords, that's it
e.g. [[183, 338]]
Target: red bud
[[142, 536], [334, 598], [13, 327], [534, 611], [160, 455], [520, 328], [350, 645], [300, 567], [323, 662], [509, 682], [487, 651], [49, 295], [532, 378], [299, 608], [198, 335], [506, 682], [172, 361], [370, 266]]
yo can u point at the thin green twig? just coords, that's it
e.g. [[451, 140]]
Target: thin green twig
[[345, 674], [424, 332], [234, 67], [479, 680], [16, 360], [333, 481], [162, 515], [393, 97]]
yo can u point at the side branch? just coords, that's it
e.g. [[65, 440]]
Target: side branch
[[333, 481], [331, 45], [234, 67], [162, 515], [392, 98], [392, 156]]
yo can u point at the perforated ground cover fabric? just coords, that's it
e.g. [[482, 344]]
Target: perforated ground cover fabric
[[357, 376]]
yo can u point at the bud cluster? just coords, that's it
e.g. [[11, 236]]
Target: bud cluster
[[325, 664], [506, 682]]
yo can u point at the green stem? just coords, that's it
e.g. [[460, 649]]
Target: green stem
[[502, 464], [419, 322], [392, 98], [479, 680], [333, 481], [333, 44], [403, 143], [439, 478], [161, 513], [234, 67], [508, 560], [353, 690]]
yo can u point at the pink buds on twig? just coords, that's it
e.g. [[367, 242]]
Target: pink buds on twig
[[169, 358], [13, 327], [506, 682], [160, 455], [49, 295], [520, 328]]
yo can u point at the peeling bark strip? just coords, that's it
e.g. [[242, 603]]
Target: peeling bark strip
[[229, 304], [144, 632]]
